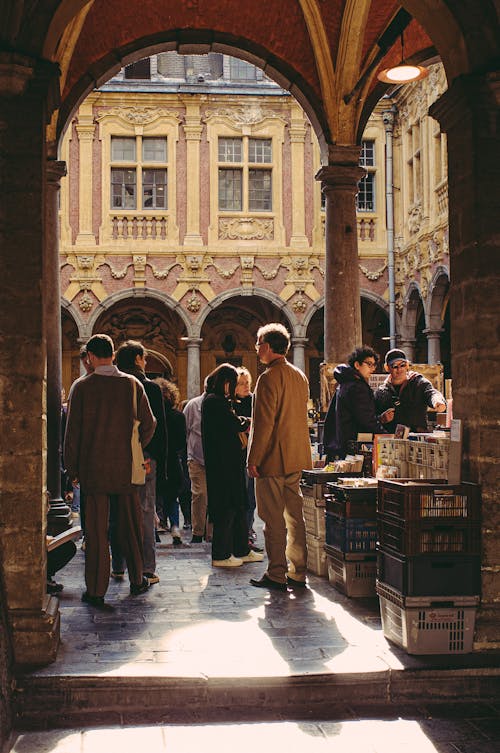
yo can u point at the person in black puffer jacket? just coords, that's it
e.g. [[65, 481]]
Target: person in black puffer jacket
[[352, 408], [405, 395]]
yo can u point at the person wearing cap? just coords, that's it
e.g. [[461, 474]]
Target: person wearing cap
[[406, 395], [352, 408]]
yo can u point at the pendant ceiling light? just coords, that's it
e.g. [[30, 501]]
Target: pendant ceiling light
[[403, 73]]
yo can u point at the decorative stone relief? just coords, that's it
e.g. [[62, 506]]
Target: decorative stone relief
[[240, 116], [299, 305], [139, 115], [117, 274], [193, 303], [246, 264], [375, 274], [86, 302], [162, 274], [415, 218], [225, 273], [246, 228], [268, 275], [85, 262]]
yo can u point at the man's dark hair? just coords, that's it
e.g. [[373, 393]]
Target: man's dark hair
[[126, 355], [217, 379], [101, 346], [277, 336], [360, 354]]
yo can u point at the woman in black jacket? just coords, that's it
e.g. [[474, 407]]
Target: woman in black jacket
[[352, 408], [224, 467]]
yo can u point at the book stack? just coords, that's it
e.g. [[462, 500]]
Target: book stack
[[428, 563]]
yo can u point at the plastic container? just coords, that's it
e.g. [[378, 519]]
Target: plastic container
[[316, 556], [430, 575], [314, 517], [413, 500], [425, 536], [351, 502], [427, 625], [351, 534], [353, 577]]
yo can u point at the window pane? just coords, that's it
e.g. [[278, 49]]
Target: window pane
[[230, 150], [139, 70], [122, 150], [260, 150], [367, 158], [260, 197], [154, 150], [230, 190], [123, 189], [154, 189], [366, 196]]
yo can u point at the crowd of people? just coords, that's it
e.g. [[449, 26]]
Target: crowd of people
[[219, 457]]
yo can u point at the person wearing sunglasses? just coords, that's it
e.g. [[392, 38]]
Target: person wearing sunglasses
[[352, 408], [406, 395]]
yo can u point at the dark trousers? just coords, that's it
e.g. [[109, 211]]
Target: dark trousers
[[230, 534], [129, 534]]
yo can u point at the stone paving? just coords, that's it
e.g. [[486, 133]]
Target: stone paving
[[201, 623]]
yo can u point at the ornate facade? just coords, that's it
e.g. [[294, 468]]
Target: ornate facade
[[191, 215]]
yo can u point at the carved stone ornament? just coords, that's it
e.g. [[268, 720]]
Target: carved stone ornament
[[246, 262], [242, 115], [193, 303], [246, 229], [117, 274], [139, 115], [225, 273], [300, 304], [162, 274], [268, 275], [140, 263], [415, 218], [373, 275], [85, 262], [86, 302]]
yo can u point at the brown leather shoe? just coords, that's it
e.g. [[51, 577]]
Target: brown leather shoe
[[266, 582]]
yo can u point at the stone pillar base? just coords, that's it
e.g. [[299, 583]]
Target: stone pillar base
[[36, 633]]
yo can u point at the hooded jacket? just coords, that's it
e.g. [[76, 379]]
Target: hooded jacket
[[410, 401], [351, 411]]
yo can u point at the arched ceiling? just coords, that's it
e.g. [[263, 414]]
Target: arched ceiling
[[325, 52]]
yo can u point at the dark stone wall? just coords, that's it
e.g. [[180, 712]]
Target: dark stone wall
[[5, 675]]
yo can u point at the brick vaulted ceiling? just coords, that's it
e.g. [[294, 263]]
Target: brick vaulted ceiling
[[325, 52]]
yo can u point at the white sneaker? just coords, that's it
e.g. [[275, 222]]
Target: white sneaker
[[252, 557], [231, 561]]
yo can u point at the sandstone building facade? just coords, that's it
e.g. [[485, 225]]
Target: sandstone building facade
[[190, 216]]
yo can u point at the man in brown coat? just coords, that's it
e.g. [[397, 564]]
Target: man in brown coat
[[97, 452], [278, 450]]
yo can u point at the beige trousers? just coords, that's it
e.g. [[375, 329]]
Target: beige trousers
[[199, 500], [279, 505]]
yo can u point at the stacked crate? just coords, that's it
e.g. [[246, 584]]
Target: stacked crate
[[351, 536], [313, 491], [428, 563]]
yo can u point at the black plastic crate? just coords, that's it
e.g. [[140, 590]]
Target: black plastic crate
[[313, 483], [425, 536], [430, 575], [350, 534], [428, 499], [351, 501]]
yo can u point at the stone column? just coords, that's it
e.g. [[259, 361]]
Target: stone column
[[297, 139], [408, 345], [339, 183], [26, 87], [299, 355], [193, 366], [59, 514], [433, 345], [192, 129], [468, 113], [85, 129]]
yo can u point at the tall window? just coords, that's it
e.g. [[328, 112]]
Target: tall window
[[366, 186], [414, 172], [245, 184], [139, 169], [139, 70]]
